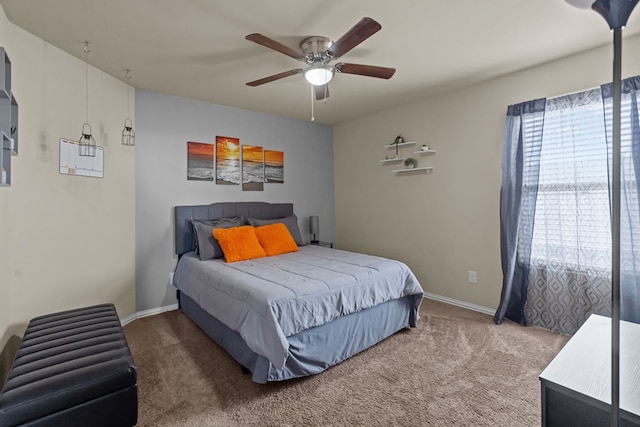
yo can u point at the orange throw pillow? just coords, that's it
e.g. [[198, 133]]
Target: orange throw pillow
[[238, 243], [276, 239]]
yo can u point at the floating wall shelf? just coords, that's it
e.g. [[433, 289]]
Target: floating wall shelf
[[412, 170], [402, 144], [399, 158]]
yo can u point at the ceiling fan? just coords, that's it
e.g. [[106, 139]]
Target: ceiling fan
[[318, 51]]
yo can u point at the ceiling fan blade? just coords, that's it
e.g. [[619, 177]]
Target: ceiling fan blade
[[322, 91], [275, 77], [356, 35], [365, 70], [277, 46]]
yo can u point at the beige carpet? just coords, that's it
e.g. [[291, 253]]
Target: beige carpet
[[457, 368]]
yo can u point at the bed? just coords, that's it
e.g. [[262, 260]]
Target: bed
[[289, 315]]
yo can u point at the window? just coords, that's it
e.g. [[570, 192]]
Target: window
[[572, 222], [555, 230]]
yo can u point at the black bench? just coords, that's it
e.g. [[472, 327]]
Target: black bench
[[73, 368]]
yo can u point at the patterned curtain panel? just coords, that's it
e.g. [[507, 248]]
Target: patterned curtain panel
[[629, 193], [570, 270]]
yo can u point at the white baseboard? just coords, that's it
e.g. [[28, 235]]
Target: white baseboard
[[150, 312], [428, 295], [458, 303]]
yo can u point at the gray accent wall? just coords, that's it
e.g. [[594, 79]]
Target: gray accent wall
[[163, 126]]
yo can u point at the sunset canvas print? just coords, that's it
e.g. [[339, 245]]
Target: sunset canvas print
[[199, 161], [273, 166], [227, 160], [252, 168]]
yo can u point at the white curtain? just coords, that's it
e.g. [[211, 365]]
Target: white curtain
[[570, 267]]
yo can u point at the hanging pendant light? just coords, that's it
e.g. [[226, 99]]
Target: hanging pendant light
[[128, 134], [86, 143]]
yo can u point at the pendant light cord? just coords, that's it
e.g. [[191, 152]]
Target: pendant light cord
[[86, 80], [128, 77]]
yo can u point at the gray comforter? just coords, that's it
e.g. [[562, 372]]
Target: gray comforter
[[268, 299]]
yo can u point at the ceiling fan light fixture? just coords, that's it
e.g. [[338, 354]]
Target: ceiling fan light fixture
[[319, 75]]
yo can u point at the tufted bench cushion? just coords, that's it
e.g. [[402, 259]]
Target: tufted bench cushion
[[73, 368]]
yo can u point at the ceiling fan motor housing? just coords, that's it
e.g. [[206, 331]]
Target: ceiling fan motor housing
[[315, 48]]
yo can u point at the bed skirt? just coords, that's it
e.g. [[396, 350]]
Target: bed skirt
[[313, 350]]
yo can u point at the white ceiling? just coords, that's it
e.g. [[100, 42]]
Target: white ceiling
[[196, 48]]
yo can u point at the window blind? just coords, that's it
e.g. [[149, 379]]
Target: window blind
[[572, 221]]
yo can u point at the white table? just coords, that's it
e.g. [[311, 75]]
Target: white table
[[576, 386]]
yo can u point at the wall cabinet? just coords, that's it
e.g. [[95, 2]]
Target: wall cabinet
[[8, 120]]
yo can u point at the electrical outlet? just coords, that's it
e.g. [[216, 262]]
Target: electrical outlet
[[472, 277], [171, 278]]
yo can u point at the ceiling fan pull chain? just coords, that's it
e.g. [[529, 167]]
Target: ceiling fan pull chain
[[313, 118]]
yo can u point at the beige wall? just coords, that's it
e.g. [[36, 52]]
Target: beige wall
[[447, 223], [5, 296], [66, 241]]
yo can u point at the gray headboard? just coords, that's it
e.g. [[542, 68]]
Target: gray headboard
[[184, 215]]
